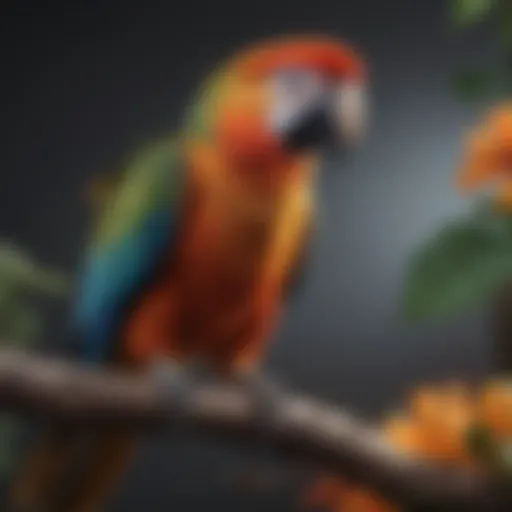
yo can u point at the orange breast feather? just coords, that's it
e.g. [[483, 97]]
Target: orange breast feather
[[219, 297]]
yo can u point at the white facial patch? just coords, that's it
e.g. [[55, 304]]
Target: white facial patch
[[351, 112], [294, 93]]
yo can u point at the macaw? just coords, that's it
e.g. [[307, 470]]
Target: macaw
[[196, 246]]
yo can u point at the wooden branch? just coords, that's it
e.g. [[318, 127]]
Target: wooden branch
[[306, 428]]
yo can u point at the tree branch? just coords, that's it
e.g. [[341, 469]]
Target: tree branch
[[306, 428]]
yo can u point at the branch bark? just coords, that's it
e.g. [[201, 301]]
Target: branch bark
[[306, 428]]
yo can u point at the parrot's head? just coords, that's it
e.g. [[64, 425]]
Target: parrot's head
[[283, 100]]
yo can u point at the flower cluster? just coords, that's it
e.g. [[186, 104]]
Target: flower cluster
[[488, 155], [434, 427]]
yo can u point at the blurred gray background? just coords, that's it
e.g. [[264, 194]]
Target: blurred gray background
[[84, 81]]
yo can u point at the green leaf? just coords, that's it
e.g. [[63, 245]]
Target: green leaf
[[466, 13], [48, 282], [474, 84], [482, 443], [19, 270], [25, 327], [504, 23], [505, 32], [461, 266], [494, 454], [20, 323]]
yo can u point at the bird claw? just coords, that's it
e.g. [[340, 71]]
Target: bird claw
[[172, 379], [268, 395]]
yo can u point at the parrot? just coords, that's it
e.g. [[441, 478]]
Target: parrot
[[198, 240]]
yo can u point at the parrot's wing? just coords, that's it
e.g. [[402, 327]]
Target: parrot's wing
[[139, 224]]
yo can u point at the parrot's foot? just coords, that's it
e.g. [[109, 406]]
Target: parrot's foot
[[173, 379], [269, 398]]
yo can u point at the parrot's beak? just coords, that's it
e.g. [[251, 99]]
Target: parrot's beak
[[335, 119], [351, 113]]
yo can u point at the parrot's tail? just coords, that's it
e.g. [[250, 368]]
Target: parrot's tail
[[72, 471]]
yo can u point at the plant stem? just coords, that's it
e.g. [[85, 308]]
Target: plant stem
[[504, 30], [502, 323]]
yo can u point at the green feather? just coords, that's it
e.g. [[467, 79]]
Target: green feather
[[138, 190], [199, 119]]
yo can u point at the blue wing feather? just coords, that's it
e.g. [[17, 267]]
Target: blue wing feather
[[123, 260]]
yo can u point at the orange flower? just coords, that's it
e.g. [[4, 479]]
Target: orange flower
[[488, 155], [434, 427], [442, 416], [495, 407]]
